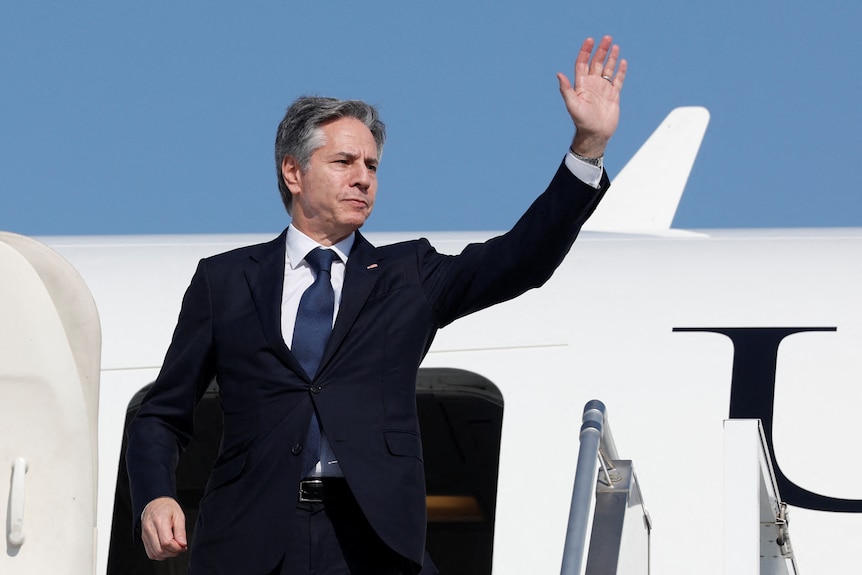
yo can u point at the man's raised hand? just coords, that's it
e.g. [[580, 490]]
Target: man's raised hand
[[594, 100]]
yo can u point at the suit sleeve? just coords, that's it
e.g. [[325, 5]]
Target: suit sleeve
[[521, 259], [164, 424]]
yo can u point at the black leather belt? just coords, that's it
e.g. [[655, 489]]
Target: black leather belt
[[323, 489]]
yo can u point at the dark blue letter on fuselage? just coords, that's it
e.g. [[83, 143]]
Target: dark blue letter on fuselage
[[752, 393]]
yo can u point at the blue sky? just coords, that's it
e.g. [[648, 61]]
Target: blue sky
[[159, 117]]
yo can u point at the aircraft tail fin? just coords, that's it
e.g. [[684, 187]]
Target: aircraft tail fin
[[646, 193]]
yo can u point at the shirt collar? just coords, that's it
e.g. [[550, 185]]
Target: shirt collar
[[298, 245]]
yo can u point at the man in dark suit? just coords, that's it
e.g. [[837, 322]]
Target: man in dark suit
[[320, 466]]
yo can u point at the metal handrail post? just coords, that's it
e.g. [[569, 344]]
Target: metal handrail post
[[585, 482]]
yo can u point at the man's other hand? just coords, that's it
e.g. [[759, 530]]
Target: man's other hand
[[163, 528]]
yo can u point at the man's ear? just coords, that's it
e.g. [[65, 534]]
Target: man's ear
[[291, 173]]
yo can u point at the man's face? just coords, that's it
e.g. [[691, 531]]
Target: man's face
[[335, 195]]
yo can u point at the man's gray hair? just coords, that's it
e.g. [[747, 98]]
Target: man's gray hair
[[299, 133]]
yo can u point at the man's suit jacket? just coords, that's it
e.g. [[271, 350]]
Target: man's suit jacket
[[394, 299]]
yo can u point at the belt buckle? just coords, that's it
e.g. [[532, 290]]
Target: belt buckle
[[311, 491]]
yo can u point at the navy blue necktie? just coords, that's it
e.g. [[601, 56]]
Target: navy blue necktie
[[310, 334]]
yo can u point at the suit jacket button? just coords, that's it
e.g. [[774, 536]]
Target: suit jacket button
[[316, 388], [296, 449]]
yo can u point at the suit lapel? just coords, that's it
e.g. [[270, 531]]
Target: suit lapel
[[360, 275], [265, 277]]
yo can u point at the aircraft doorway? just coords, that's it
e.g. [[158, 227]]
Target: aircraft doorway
[[461, 416]]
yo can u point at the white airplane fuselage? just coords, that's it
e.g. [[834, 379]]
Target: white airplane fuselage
[[675, 331], [651, 324]]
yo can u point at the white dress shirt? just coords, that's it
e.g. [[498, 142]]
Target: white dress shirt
[[297, 278]]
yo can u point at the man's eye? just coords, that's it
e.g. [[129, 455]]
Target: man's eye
[[372, 168]]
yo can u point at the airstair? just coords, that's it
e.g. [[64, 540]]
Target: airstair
[[756, 539], [609, 527]]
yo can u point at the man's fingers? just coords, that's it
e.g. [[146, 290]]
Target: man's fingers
[[582, 62], [565, 85], [567, 92], [180, 530], [598, 62], [168, 539], [163, 529], [603, 63], [157, 547], [611, 64], [621, 74]]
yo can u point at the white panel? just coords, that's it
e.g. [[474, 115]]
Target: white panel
[[49, 360]]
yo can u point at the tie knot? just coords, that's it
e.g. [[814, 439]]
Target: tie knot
[[320, 260]]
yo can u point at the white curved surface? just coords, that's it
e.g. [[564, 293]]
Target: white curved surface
[[48, 407]]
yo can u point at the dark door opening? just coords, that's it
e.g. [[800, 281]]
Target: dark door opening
[[460, 414]]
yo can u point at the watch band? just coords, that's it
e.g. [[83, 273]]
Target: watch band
[[597, 162]]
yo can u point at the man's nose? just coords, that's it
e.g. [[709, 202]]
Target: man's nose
[[362, 176]]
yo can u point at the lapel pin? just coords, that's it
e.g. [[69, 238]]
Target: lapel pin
[[371, 267]]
